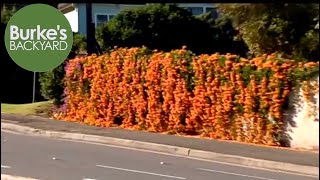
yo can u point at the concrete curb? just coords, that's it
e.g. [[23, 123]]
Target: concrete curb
[[9, 177], [272, 165], [258, 163]]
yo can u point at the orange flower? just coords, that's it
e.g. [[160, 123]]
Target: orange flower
[[165, 92]]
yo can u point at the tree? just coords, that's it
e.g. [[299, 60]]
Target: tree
[[289, 29], [6, 13], [166, 27]]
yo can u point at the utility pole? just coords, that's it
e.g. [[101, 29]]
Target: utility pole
[[34, 88], [92, 44]]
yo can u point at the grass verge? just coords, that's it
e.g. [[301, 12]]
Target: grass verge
[[42, 109]]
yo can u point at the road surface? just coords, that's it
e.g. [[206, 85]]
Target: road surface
[[52, 159]]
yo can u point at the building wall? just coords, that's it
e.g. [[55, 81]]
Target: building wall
[[73, 19], [196, 5], [82, 22]]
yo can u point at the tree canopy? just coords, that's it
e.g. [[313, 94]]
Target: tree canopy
[[166, 27], [288, 29], [6, 13]]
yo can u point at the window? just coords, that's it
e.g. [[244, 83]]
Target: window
[[111, 17], [195, 10], [213, 11], [202, 10], [103, 18]]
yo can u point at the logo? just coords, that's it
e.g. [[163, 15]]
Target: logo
[[38, 37]]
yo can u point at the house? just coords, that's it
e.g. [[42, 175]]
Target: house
[[103, 12]]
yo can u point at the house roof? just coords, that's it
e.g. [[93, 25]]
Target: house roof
[[66, 7], [63, 5]]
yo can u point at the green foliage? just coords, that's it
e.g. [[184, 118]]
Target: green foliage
[[289, 29], [6, 13], [298, 75], [51, 82], [167, 27], [79, 43]]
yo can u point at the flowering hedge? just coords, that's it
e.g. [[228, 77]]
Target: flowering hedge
[[218, 96]]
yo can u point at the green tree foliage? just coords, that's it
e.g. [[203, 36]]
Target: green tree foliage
[[79, 43], [166, 27], [289, 29], [6, 13], [51, 84]]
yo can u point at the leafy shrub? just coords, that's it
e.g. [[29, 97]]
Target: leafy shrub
[[79, 43], [166, 27], [52, 84]]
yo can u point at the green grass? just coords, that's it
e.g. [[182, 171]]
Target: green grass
[[37, 109]]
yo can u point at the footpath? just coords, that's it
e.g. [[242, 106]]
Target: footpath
[[305, 162]]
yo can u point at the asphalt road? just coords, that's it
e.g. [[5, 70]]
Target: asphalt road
[[53, 159]]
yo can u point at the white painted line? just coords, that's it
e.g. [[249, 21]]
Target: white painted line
[[141, 172], [7, 167], [88, 179], [235, 174], [198, 159], [173, 155]]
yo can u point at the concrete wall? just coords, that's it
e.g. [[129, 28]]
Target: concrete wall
[[302, 122]]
